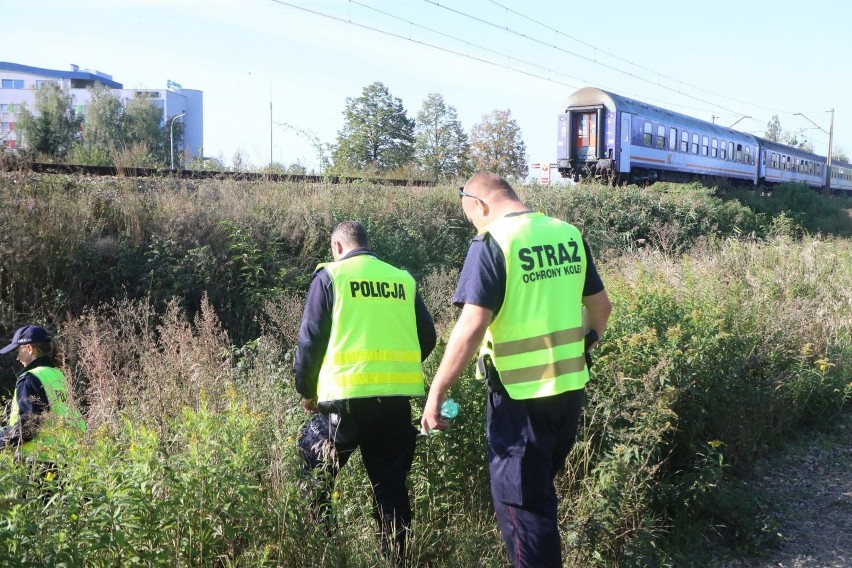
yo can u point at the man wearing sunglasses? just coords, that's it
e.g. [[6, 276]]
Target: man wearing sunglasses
[[523, 289]]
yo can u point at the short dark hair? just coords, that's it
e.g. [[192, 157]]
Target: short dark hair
[[494, 183], [351, 233]]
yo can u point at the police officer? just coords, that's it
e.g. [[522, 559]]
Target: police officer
[[364, 333], [522, 290], [40, 401]]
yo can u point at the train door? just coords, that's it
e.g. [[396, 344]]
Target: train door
[[586, 139], [624, 154]]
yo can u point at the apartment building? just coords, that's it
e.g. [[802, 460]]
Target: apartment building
[[19, 82]]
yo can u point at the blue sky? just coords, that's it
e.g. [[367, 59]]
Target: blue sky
[[731, 59]]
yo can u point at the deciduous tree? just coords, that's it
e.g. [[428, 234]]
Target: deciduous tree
[[377, 134], [497, 146], [53, 127], [441, 146], [773, 129]]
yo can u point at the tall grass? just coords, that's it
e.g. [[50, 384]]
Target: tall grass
[[718, 347]]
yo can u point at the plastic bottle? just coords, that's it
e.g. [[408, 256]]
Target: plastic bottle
[[449, 410]]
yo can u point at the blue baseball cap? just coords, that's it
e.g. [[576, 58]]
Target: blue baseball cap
[[26, 335]]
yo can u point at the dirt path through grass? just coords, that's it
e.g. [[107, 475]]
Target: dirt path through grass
[[810, 496]]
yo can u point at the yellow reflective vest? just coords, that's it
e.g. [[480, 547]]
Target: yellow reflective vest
[[59, 416], [536, 339], [373, 349]]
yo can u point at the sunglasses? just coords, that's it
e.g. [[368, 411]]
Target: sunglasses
[[462, 194]]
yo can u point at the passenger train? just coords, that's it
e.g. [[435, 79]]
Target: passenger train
[[615, 139]]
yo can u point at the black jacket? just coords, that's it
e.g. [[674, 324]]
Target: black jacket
[[32, 403]]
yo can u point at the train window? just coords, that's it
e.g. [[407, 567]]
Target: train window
[[684, 141], [774, 160], [714, 148], [705, 144], [722, 153], [695, 143], [748, 155], [661, 137], [672, 139], [586, 130], [739, 154], [730, 150], [649, 130]]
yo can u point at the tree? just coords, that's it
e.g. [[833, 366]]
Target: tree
[[441, 146], [102, 129], [775, 133], [839, 155], [773, 129], [143, 126], [54, 128], [376, 133], [792, 139], [496, 145], [133, 134]]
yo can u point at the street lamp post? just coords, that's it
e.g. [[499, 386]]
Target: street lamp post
[[830, 133], [172, 138]]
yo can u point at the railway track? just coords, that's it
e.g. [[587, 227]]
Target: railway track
[[73, 169]]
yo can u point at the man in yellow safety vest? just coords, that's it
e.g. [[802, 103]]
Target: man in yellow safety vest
[[523, 288], [364, 333]]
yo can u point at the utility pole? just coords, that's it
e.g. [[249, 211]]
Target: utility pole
[[270, 131], [830, 140], [827, 188]]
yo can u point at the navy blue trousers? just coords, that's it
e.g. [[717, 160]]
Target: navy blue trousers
[[528, 442], [382, 428]]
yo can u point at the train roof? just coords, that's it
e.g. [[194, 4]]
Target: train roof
[[790, 150], [589, 96]]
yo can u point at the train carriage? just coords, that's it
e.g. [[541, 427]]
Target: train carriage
[[780, 163], [841, 178], [610, 137]]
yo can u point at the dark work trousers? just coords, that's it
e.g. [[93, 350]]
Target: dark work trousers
[[528, 442], [382, 428]]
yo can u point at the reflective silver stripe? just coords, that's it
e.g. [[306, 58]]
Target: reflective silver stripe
[[541, 372], [530, 344]]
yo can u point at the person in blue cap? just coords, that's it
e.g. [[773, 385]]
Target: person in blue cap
[[40, 397]]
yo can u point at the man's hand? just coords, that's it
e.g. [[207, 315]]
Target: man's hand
[[432, 419], [309, 404]]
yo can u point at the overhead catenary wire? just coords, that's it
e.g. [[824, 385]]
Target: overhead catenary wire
[[546, 73], [550, 72], [575, 54], [614, 56]]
